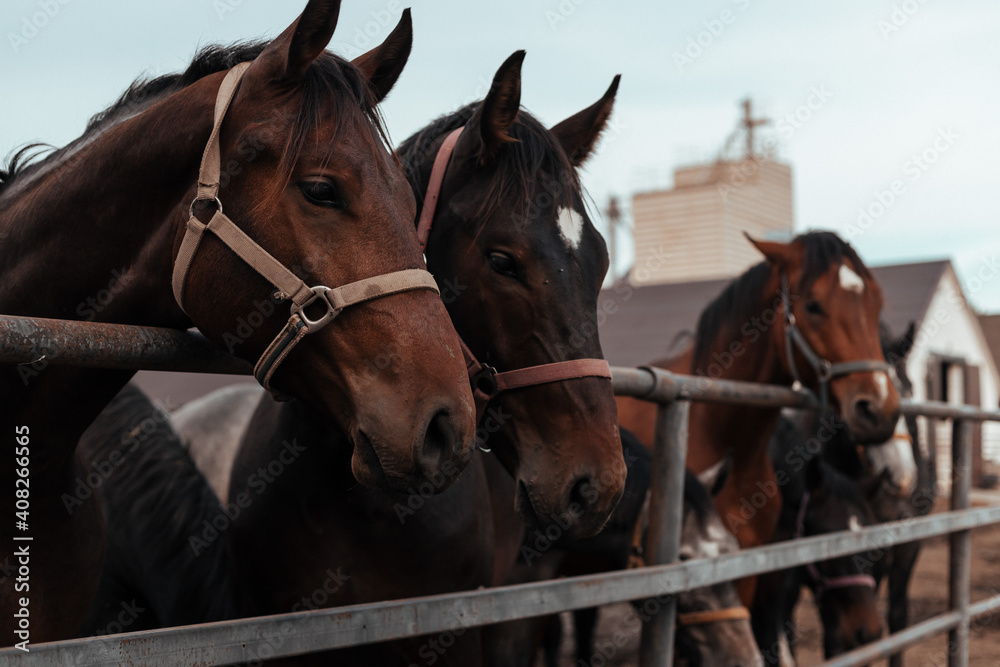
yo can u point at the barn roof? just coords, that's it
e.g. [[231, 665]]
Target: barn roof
[[991, 328], [652, 322]]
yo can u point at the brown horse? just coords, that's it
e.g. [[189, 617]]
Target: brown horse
[[809, 312], [303, 170], [524, 263]]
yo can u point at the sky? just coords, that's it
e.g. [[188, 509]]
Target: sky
[[884, 107]]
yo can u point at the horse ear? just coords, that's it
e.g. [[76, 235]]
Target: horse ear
[[902, 345], [288, 57], [714, 478], [499, 110], [781, 255], [383, 64], [579, 133]]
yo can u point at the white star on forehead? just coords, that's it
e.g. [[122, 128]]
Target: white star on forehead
[[850, 280], [570, 227]]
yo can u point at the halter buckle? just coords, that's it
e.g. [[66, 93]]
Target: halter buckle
[[486, 381], [824, 370], [218, 205], [314, 325]]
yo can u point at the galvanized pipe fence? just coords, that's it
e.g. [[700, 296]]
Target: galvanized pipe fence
[[39, 341]]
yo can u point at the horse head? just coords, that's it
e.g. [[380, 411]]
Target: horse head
[[828, 332], [521, 265]]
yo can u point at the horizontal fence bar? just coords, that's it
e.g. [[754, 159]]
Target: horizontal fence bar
[[310, 631], [41, 342], [912, 635], [658, 385], [23, 340]]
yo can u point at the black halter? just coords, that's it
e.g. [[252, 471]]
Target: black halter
[[825, 370]]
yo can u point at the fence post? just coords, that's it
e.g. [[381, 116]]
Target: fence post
[[959, 558], [666, 513]]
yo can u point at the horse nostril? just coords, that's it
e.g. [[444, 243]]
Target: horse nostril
[[439, 442], [864, 410], [866, 636], [582, 493]]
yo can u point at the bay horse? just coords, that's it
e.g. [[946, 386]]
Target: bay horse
[[713, 627], [810, 313], [512, 236], [816, 499], [300, 164]]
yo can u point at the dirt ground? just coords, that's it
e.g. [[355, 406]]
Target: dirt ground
[[928, 597]]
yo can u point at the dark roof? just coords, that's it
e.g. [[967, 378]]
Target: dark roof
[[657, 321], [908, 290], [991, 328]]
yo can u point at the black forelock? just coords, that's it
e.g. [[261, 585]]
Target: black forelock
[[823, 250]]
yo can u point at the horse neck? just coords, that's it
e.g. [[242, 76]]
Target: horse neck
[[113, 201], [720, 428], [93, 222]]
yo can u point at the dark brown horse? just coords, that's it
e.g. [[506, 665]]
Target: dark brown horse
[[816, 499], [305, 173], [905, 486], [811, 306], [524, 264]]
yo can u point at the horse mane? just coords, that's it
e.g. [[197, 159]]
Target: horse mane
[[742, 299], [153, 500], [330, 85], [520, 164]]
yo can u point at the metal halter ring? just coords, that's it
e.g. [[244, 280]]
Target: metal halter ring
[[824, 370], [318, 292], [486, 381], [218, 205]]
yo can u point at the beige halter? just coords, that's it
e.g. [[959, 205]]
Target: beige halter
[[289, 285]]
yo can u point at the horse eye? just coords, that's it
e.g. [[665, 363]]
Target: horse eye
[[323, 193], [503, 264], [813, 307]]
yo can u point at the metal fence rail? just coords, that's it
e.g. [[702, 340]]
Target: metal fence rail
[[24, 340], [309, 631]]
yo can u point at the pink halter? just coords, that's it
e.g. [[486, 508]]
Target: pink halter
[[486, 381], [821, 584]]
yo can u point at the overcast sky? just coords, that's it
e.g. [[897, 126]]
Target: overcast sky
[[864, 95]]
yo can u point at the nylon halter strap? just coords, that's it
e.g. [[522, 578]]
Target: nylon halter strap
[[824, 369], [819, 583], [486, 381], [289, 286]]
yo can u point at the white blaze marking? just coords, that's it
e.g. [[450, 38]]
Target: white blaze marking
[[882, 380], [851, 281], [570, 227], [854, 523]]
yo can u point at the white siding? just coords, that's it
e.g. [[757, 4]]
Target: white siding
[[699, 224], [951, 329]]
